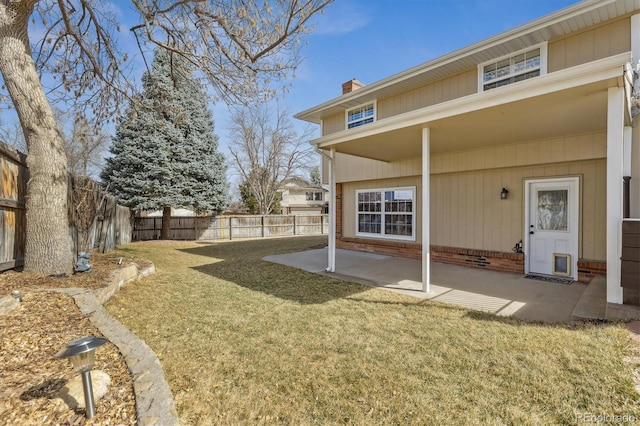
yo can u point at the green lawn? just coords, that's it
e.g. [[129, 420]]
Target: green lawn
[[244, 341]]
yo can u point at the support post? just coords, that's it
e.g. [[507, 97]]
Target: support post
[[626, 171], [332, 213], [426, 179], [615, 147]]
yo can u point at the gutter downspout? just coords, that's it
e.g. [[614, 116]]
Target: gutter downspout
[[331, 260]]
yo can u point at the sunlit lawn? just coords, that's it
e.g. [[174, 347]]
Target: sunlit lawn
[[245, 341]]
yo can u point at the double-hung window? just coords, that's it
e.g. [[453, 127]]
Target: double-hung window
[[314, 196], [386, 213], [522, 65], [359, 116]]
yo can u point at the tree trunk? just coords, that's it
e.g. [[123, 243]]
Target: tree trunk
[[166, 223], [48, 242]]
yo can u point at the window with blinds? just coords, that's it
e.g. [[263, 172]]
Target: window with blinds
[[523, 65], [386, 213], [361, 115]]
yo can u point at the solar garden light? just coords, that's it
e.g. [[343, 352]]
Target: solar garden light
[[81, 353]]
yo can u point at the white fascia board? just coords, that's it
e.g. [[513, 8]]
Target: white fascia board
[[592, 72]]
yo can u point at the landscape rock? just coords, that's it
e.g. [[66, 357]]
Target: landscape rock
[[73, 394], [7, 304]]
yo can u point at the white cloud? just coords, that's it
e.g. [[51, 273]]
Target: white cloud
[[341, 18]]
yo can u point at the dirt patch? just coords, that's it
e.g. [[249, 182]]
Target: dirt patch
[[33, 333]]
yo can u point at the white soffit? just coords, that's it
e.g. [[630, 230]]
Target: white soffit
[[564, 21]]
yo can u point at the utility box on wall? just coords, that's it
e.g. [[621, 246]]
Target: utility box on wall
[[630, 273]]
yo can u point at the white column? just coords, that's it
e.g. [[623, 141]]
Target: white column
[[332, 213], [626, 160], [635, 39], [426, 241], [626, 150], [615, 144]]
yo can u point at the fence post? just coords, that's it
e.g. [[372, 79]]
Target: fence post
[[230, 228], [321, 224], [262, 222], [294, 224]]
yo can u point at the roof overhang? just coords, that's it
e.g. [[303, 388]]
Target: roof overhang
[[570, 19], [566, 102]]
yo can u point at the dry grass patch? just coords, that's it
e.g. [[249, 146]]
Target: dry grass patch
[[244, 341]]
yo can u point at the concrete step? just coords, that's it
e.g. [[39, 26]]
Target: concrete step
[[593, 302]]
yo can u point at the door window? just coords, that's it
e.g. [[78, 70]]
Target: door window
[[552, 211]]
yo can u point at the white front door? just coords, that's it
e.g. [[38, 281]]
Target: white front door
[[552, 226]]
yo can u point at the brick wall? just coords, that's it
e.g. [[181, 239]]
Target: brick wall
[[587, 269], [391, 248], [485, 259]]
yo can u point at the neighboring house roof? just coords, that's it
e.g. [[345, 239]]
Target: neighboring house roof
[[300, 185], [570, 19]]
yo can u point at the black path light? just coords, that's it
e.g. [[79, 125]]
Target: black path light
[[81, 353]]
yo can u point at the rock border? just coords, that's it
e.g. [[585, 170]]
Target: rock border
[[154, 401]]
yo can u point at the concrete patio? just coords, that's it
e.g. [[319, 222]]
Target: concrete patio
[[500, 293]]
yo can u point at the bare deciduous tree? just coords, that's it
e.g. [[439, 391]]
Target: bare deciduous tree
[[266, 150], [12, 134], [85, 146], [240, 47]]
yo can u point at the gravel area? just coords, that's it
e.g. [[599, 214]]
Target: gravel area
[[34, 332]]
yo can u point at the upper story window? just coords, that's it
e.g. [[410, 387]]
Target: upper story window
[[361, 115], [314, 196], [525, 64]]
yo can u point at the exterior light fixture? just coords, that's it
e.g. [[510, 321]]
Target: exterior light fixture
[[504, 194], [81, 353]]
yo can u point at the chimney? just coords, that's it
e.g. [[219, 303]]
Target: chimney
[[351, 85]]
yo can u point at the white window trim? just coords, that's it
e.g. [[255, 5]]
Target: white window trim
[[543, 62], [375, 113], [383, 236]]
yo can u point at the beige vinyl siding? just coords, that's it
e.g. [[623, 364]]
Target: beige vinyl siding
[[558, 150], [586, 46], [453, 87], [456, 86], [575, 49], [334, 123], [467, 212], [466, 209], [351, 168]]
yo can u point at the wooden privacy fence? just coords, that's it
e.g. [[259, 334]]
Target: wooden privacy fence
[[12, 207], [95, 220], [231, 227]]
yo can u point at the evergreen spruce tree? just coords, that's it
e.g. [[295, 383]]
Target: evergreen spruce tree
[[165, 151]]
